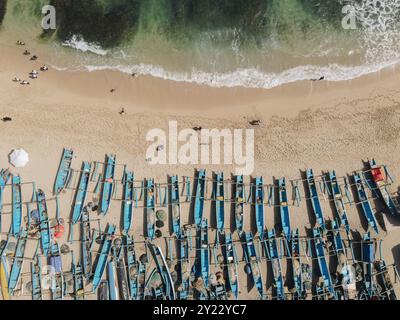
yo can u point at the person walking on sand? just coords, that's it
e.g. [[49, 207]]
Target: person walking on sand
[[122, 111]]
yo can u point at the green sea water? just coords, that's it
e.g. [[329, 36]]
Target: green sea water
[[255, 43]]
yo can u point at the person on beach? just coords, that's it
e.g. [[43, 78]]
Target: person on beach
[[44, 68], [122, 111], [34, 57], [26, 53], [16, 79], [25, 82]]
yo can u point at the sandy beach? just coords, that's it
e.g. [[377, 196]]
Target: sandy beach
[[320, 125]]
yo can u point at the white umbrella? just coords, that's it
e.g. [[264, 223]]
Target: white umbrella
[[19, 158]]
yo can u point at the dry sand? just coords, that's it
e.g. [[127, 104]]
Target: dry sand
[[321, 125]]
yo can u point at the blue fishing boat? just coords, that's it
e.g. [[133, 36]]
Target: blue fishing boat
[[338, 201], [379, 181], [346, 279], [141, 281], [297, 267], [184, 268], [316, 205], [57, 275], [18, 261], [132, 267], [36, 278], [4, 176], [203, 267], [108, 183], [365, 204], [81, 192], [45, 234], [103, 292], [168, 288], [231, 265], [120, 268], [284, 208], [387, 292], [103, 256], [175, 206], [271, 248], [16, 206], [127, 203], [199, 199], [79, 283], [86, 237], [150, 209], [368, 290], [253, 263], [219, 201], [239, 203], [259, 206], [112, 281], [319, 245], [63, 170]]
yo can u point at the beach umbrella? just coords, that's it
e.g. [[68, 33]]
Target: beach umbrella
[[19, 158]]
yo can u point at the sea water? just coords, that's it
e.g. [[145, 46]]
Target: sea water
[[222, 43]]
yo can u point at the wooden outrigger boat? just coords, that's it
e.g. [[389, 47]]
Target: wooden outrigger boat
[[346, 279], [319, 245], [4, 177], [184, 268], [162, 268], [36, 278], [284, 208], [199, 199], [103, 257], [365, 204], [202, 270], [108, 182], [86, 239], [81, 192], [127, 204], [132, 267], [45, 233], [379, 181], [369, 290], [18, 262], [239, 203], [141, 281], [231, 265], [271, 249], [338, 201], [175, 206], [383, 278], [57, 275], [219, 202], [16, 206], [150, 210], [316, 205], [297, 267], [103, 293], [63, 171], [112, 281], [79, 283], [253, 263], [120, 268], [259, 206]]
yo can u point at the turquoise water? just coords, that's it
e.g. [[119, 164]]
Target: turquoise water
[[254, 43]]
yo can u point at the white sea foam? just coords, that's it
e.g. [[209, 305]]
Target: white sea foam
[[252, 77], [77, 42]]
